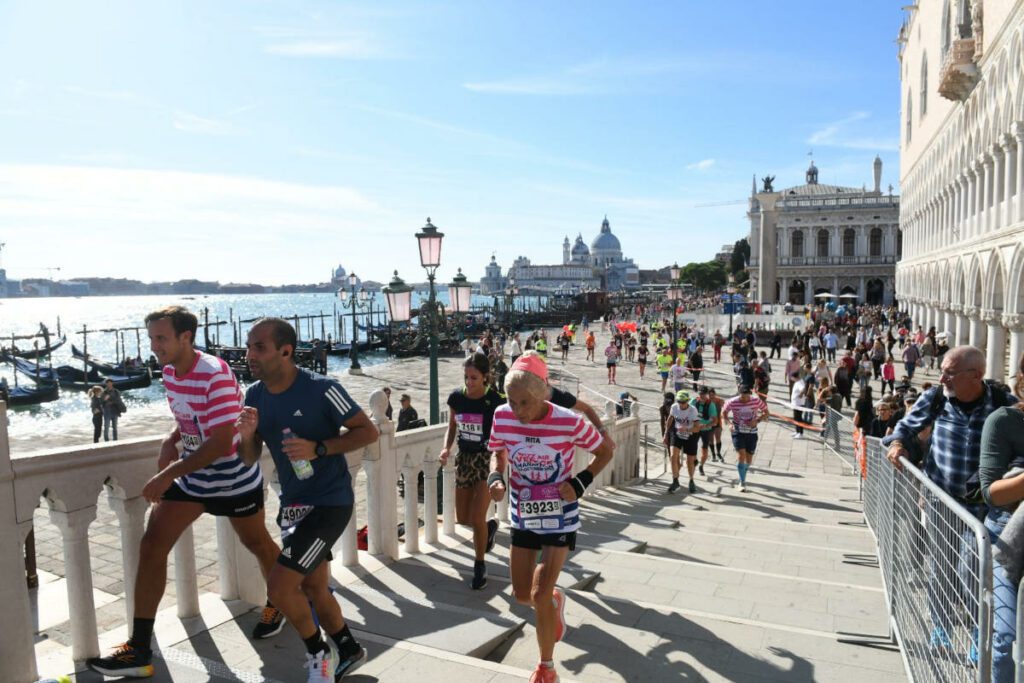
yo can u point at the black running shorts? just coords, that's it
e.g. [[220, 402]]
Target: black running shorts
[[687, 444], [308, 532], [705, 438], [534, 541], [243, 505]]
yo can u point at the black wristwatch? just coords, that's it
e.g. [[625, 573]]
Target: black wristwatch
[[321, 449]]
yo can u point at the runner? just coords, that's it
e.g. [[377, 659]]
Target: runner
[[708, 413], [664, 362], [641, 358], [563, 343], [207, 476], [716, 433], [743, 413], [681, 434], [536, 441], [611, 356], [300, 415], [678, 372], [695, 364], [470, 416]]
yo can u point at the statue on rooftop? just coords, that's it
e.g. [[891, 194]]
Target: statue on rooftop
[[767, 182]]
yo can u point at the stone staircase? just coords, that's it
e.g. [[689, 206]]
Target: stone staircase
[[768, 585]]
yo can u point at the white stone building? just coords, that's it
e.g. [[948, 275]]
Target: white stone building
[[962, 173], [814, 239]]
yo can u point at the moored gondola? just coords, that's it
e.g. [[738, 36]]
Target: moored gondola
[[74, 378], [108, 368], [28, 396], [36, 353]]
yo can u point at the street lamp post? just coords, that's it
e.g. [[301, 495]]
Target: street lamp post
[[675, 294], [429, 239], [349, 297]]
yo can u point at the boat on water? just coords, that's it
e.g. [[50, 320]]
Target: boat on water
[[76, 378], [36, 353], [28, 396], [110, 368]]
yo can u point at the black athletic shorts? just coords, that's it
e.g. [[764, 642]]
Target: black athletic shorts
[[705, 438], [243, 505], [688, 445], [534, 541], [308, 532]]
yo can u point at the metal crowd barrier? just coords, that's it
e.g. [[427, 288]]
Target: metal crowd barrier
[[837, 436], [936, 564]]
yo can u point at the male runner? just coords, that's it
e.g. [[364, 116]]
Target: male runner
[[300, 415], [707, 412], [744, 412], [208, 476], [682, 427]]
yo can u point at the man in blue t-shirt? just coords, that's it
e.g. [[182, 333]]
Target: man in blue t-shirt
[[300, 415]]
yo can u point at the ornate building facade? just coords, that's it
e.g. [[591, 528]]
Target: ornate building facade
[[962, 173], [815, 239], [599, 266]]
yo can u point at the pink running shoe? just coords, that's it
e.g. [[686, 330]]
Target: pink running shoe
[[542, 674], [558, 597]]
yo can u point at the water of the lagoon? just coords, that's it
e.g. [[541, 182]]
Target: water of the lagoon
[[70, 414]]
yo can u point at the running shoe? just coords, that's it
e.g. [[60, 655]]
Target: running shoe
[[492, 532], [322, 665], [674, 486], [348, 664], [479, 576], [693, 487], [126, 660], [701, 468], [270, 624], [542, 674], [558, 598], [743, 488]]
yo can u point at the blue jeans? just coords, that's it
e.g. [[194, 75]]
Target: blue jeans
[[1004, 607], [108, 422]]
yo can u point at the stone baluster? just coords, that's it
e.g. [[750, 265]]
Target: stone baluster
[[74, 532], [430, 469], [1015, 327], [995, 356], [411, 471], [131, 518], [349, 540], [381, 475], [448, 497], [503, 504], [186, 586], [227, 567]]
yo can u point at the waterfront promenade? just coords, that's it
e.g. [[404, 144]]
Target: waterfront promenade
[[717, 585]]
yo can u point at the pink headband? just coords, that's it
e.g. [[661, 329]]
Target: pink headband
[[534, 365]]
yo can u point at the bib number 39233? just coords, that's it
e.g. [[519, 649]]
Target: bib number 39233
[[540, 507]]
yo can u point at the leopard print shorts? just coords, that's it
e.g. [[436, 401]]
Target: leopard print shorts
[[471, 468]]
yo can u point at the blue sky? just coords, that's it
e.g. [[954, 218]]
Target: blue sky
[[269, 141]]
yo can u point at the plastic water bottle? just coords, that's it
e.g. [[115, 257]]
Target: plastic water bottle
[[303, 468]]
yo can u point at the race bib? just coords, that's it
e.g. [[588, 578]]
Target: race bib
[[540, 507], [290, 516], [470, 426]]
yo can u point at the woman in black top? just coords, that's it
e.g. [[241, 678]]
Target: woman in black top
[[471, 414], [865, 409]]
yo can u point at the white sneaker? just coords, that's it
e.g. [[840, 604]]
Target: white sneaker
[[321, 666], [743, 488], [798, 436], [740, 487]]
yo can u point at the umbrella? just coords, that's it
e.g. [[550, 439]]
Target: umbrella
[[825, 295], [848, 295]]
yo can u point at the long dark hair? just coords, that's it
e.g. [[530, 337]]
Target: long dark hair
[[478, 362]]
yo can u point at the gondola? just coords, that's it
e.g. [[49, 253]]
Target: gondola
[[37, 353], [74, 378], [108, 368], [28, 396]]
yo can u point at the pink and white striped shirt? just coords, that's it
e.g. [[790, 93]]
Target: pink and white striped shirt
[[540, 457], [207, 397]]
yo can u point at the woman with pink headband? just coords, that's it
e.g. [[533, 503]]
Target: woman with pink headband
[[536, 441]]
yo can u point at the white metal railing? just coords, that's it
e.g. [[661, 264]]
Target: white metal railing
[[72, 479]]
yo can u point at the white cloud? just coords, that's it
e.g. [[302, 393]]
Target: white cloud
[[702, 165], [191, 123], [847, 134]]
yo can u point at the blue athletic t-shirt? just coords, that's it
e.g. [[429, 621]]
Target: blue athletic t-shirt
[[314, 408]]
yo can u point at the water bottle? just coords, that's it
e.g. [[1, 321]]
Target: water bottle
[[303, 468]]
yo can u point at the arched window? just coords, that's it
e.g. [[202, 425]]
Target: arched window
[[849, 242], [823, 244], [875, 242], [797, 246], [924, 85], [910, 114], [947, 29]]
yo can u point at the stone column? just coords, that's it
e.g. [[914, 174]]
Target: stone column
[[995, 352], [74, 531], [978, 331], [981, 209], [1009, 168], [963, 203], [1015, 325], [996, 188], [1018, 136], [949, 322], [808, 292], [962, 326], [131, 518]]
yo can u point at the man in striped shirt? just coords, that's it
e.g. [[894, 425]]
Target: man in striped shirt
[[207, 476]]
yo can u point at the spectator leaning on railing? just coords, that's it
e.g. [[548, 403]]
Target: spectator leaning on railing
[[1002, 485]]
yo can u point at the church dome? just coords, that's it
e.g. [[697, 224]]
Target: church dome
[[605, 240], [579, 249]]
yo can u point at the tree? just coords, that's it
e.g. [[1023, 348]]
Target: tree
[[709, 275], [740, 257]]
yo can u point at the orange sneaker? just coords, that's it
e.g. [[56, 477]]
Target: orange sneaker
[[558, 597], [542, 674]]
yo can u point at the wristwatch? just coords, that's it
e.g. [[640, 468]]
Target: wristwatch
[[321, 449]]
